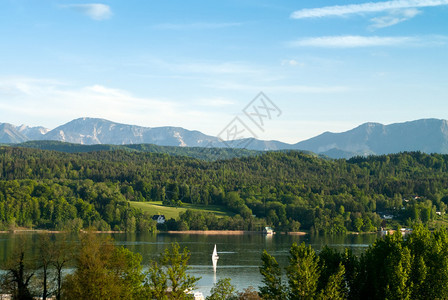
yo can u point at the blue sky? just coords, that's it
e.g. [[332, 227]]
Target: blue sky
[[327, 65]]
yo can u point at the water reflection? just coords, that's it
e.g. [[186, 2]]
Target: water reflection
[[215, 264]]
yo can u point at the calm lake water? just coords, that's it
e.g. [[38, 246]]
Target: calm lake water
[[239, 255]]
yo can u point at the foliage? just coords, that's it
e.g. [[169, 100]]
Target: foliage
[[391, 268], [286, 190], [303, 272], [249, 294], [103, 271], [222, 290], [208, 154], [335, 289], [272, 278], [171, 274]]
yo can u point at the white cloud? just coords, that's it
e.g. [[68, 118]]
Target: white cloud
[[33, 100], [369, 7], [195, 26], [292, 62], [395, 17], [94, 11], [353, 41]]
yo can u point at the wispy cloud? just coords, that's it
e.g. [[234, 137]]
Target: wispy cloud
[[95, 11], [369, 7], [353, 41], [195, 26], [39, 99], [292, 62], [395, 17]]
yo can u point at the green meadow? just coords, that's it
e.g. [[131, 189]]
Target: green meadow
[[156, 208]]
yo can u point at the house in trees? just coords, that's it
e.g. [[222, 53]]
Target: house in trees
[[268, 230], [159, 218]]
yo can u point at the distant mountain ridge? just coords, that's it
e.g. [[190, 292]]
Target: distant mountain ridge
[[18, 134], [426, 135], [92, 131]]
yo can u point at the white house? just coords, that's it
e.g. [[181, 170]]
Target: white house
[[159, 218]]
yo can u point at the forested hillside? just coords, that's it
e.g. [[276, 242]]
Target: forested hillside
[[288, 190], [204, 153]]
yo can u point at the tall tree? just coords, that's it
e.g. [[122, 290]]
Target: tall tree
[[127, 267], [61, 252], [272, 278], [335, 289], [171, 275], [45, 261], [303, 272], [385, 269], [156, 283], [103, 271]]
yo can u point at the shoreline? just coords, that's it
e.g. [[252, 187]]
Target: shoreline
[[297, 233], [18, 231], [211, 232], [196, 232], [227, 232]]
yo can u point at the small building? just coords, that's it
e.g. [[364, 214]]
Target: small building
[[405, 230], [388, 217], [159, 218], [268, 230], [196, 294]]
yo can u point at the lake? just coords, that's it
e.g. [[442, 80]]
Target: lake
[[239, 255]]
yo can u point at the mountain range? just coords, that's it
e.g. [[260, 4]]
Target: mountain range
[[426, 135]]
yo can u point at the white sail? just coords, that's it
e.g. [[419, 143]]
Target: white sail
[[215, 253]]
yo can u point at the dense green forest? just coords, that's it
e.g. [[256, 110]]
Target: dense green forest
[[394, 267], [208, 154], [287, 190]]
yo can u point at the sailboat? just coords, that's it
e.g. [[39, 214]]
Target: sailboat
[[215, 254], [215, 263]]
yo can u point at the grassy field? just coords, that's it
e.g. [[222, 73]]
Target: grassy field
[[156, 208]]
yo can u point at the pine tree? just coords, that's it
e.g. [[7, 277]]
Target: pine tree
[[272, 278], [303, 272], [335, 289]]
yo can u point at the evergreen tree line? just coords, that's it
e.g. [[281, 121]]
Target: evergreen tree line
[[286, 190], [394, 267], [208, 154]]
